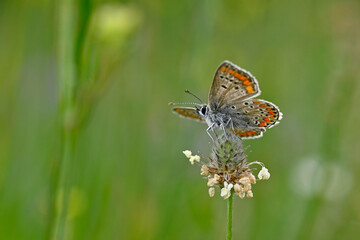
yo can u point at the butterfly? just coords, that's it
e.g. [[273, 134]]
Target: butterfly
[[232, 105]]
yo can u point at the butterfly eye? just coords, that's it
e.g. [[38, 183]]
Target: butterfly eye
[[203, 110]]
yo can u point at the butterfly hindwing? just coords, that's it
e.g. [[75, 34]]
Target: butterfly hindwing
[[244, 134], [231, 84], [254, 113], [188, 112]]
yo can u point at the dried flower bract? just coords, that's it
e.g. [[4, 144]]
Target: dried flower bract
[[228, 168]]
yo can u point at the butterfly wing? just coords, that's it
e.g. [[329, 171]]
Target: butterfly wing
[[188, 112], [231, 84], [253, 115], [248, 134]]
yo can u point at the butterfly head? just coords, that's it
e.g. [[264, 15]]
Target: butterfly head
[[203, 111]]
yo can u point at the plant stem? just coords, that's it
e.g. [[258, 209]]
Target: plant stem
[[67, 84], [229, 214]]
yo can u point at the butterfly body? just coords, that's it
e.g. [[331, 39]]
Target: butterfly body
[[231, 104], [212, 118]]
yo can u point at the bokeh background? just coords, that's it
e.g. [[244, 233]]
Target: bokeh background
[[129, 178]]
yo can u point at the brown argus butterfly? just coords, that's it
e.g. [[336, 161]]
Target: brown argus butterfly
[[231, 104]]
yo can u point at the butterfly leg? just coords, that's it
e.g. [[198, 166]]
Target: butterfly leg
[[213, 129], [230, 124], [225, 125], [223, 128], [208, 131]]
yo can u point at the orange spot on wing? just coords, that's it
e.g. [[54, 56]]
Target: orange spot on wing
[[267, 120], [263, 124], [271, 111], [231, 71], [262, 105], [243, 78], [236, 75], [224, 69], [246, 133], [256, 101], [247, 82], [184, 113], [271, 116], [249, 89]]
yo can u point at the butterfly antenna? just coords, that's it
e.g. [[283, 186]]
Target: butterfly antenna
[[172, 103], [187, 91]]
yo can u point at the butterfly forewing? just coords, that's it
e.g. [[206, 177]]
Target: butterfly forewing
[[188, 112], [231, 84]]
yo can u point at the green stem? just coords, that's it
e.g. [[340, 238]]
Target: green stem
[[229, 214], [64, 187], [67, 84]]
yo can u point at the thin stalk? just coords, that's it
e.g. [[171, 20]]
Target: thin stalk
[[67, 84], [64, 186], [229, 215]]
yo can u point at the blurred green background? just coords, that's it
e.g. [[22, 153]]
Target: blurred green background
[[130, 179]]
